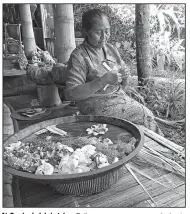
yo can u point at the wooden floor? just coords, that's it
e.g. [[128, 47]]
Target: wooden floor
[[125, 193]]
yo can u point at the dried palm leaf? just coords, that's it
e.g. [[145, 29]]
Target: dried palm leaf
[[174, 164], [138, 181], [56, 130], [157, 161], [147, 176]]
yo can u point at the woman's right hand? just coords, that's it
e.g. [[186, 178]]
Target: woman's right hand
[[111, 78]]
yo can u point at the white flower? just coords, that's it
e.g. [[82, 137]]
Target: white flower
[[77, 152], [45, 169], [82, 168], [103, 165], [48, 138], [89, 150], [115, 160], [100, 159], [13, 146], [78, 170], [70, 149], [65, 169], [73, 161], [63, 161], [90, 131], [104, 126], [97, 129], [95, 133], [59, 146], [107, 141]]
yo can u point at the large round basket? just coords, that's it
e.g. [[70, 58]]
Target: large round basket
[[87, 183]]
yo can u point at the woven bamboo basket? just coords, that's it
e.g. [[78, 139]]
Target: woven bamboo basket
[[81, 184]]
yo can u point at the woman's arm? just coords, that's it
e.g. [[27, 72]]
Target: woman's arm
[[84, 90], [76, 86]]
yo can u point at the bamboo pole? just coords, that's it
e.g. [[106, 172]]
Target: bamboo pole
[[174, 124], [64, 31], [27, 29], [44, 18], [163, 141]]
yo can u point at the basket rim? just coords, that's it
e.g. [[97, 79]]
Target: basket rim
[[78, 176]]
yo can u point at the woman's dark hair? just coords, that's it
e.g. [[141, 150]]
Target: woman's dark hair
[[89, 16]]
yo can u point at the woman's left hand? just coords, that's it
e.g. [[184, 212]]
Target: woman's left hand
[[119, 75]]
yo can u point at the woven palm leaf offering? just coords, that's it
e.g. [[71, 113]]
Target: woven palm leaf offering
[[39, 71], [40, 67], [40, 74], [79, 150], [59, 73], [59, 76]]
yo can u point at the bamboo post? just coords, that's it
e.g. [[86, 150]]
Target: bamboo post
[[64, 31], [163, 141], [27, 29], [43, 18]]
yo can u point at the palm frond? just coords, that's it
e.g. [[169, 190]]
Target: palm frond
[[138, 181], [173, 17]]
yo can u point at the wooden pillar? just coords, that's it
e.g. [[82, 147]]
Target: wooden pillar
[[64, 31], [27, 29]]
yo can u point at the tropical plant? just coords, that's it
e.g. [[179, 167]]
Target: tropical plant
[[175, 100], [166, 100], [167, 46]]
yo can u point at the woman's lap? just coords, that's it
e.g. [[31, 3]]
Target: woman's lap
[[120, 106]]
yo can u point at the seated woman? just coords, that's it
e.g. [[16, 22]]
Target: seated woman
[[94, 73]]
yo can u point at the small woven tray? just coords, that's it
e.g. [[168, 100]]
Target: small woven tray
[[17, 115]]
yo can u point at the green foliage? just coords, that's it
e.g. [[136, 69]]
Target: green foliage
[[166, 100], [175, 101], [167, 46]]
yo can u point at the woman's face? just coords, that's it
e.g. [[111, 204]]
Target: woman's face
[[99, 34]]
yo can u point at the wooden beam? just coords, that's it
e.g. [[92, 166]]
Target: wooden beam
[[13, 72], [43, 13]]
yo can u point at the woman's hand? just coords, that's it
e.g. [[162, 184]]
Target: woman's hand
[[111, 78]]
